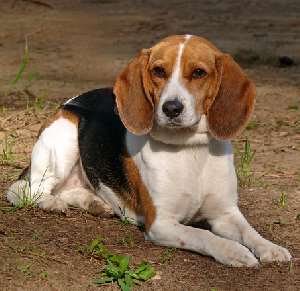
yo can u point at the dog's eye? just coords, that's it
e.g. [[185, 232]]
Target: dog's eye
[[159, 72], [198, 73]]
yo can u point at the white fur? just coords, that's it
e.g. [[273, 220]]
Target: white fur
[[56, 179], [174, 89], [191, 183]]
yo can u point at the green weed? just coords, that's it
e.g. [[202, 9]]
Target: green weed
[[128, 240], [44, 275], [244, 170], [35, 236], [118, 269], [282, 201], [23, 65], [293, 107], [27, 198], [7, 153], [253, 124], [25, 269]]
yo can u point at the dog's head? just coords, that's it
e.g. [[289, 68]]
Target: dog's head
[[178, 82]]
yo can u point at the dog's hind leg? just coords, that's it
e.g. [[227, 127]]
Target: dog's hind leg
[[53, 157]]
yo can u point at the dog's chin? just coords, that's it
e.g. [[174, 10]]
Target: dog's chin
[[181, 134]]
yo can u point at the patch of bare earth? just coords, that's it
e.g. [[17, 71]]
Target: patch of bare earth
[[78, 45]]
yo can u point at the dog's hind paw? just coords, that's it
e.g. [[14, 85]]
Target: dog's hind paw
[[53, 203]]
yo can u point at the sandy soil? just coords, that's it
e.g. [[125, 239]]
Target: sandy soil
[[79, 45]]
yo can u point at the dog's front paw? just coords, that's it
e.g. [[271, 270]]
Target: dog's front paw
[[270, 252], [234, 254], [53, 203]]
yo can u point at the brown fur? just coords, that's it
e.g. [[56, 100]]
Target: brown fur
[[137, 90], [199, 53], [133, 97], [140, 200], [234, 102], [60, 113], [225, 94]]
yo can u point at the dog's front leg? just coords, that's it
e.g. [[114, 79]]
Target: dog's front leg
[[171, 233], [232, 224]]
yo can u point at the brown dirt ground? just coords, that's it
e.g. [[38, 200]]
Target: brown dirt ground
[[78, 45]]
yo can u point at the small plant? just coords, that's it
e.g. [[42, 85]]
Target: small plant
[[244, 171], [25, 269], [23, 65], [293, 107], [44, 275], [282, 200], [7, 153], [253, 124], [125, 219], [280, 222], [27, 198], [167, 255], [128, 240], [118, 269], [35, 236]]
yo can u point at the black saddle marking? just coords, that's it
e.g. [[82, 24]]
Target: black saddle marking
[[101, 138]]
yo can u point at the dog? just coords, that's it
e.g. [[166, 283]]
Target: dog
[[155, 149]]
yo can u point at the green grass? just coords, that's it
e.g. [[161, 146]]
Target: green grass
[[44, 275], [253, 124], [25, 269], [244, 169], [128, 240], [7, 153], [117, 269], [293, 107], [23, 65], [282, 201], [26, 198]]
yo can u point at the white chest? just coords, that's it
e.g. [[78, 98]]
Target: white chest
[[178, 177]]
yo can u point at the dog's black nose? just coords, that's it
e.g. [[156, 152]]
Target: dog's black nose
[[172, 108]]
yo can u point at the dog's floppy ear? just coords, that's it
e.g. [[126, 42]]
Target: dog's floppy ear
[[133, 96], [233, 102]]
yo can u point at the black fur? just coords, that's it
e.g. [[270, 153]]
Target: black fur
[[101, 138]]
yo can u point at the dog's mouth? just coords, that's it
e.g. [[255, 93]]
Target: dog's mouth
[[173, 124]]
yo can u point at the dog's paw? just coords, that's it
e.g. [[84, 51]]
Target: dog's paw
[[270, 252], [235, 255], [97, 208], [53, 203]]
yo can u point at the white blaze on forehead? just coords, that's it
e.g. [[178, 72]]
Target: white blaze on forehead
[[175, 89], [175, 78]]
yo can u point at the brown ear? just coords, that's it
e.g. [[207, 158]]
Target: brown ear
[[234, 101], [134, 102]]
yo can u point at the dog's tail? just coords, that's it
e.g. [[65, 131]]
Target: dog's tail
[[19, 189]]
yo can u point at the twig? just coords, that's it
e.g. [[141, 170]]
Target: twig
[[36, 2]]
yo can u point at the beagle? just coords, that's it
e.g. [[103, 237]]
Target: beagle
[[155, 150]]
